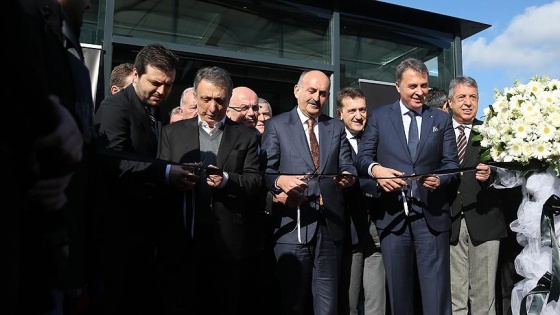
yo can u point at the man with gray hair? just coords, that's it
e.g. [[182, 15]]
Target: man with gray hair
[[264, 113], [188, 103], [210, 220]]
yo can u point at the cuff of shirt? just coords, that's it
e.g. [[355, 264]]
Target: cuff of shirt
[[370, 168], [224, 181]]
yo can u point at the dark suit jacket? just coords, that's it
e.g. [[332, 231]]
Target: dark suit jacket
[[360, 199], [132, 177], [287, 150], [384, 142], [480, 203], [50, 57], [237, 155]]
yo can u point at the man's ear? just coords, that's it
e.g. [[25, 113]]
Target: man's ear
[[339, 114]]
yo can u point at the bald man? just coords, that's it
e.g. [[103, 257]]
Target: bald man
[[243, 106]]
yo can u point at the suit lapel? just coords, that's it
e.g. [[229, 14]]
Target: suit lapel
[[471, 150], [426, 129], [229, 138], [396, 119], [191, 141], [325, 144]]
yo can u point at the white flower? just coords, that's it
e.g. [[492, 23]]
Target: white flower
[[523, 124], [541, 150], [520, 129], [546, 131]]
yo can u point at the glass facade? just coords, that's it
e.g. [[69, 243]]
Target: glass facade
[[371, 49], [266, 28], [268, 43]]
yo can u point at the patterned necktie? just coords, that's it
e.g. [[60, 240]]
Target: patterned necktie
[[153, 123], [412, 134], [313, 143], [461, 143]]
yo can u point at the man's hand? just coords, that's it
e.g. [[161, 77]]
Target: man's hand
[[388, 178], [344, 180], [290, 201], [50, 193], [482, 172], [214, 177], [431, 182], [292, 185], [182, 177], [64, 144]]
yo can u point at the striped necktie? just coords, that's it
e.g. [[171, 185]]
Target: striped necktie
[[461, 143], [153, 123]]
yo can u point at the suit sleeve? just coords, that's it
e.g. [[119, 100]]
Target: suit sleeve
[[368, 147], [449, 153], [345, 154], [271, 147], [245, 179], [112, 122]]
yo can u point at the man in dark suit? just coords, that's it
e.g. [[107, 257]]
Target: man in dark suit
[[478, 222], [216, 210], [309, 208], [362, 266], [412, 215], [48, 163], [128, 125]]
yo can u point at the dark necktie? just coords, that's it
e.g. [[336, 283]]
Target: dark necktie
[[313, 143], [153, 123], [412, 134], [357, 138], [461, 143]]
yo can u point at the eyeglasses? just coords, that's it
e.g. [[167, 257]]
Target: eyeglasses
[[244, 108]]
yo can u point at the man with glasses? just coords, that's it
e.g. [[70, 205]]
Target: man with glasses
[[243, 106]]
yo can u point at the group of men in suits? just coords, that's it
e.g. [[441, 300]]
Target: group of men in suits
[[449, 224], [174, 199], [426, 213]]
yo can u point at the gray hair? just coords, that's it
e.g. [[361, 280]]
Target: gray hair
[[410, 63], [464, 80], [181, 101], [217, 76], [262, 100]]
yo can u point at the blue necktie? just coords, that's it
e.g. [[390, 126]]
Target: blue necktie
[[412, 147], [412, 134]]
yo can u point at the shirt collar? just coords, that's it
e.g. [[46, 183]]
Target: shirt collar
[[405, 110], [456, 124], [304, 118], [204, 124], [349, 135]]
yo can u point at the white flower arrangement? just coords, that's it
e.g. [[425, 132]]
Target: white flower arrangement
[[522, 126]]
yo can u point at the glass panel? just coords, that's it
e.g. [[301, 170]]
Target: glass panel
[[284, 30], [90, 32], [372, 49]]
